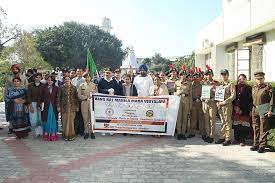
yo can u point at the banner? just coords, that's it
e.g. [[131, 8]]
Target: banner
[[135, 115]]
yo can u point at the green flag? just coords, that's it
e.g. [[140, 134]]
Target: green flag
[[91, 67]]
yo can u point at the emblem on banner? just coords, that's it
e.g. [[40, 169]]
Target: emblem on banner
[[149, 113], [106, 125], [109, 111]]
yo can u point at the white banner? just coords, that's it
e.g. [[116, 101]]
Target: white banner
[[135, 115], [219, 94], [205, 91]]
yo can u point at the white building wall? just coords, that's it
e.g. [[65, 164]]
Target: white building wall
[[236, 17], [213, 32], [269, 56], [262, 11], [221, 61], [239, 19]]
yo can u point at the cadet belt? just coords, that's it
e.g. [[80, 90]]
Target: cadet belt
[[196, 99]]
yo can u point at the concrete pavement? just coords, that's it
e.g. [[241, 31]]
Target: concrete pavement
[[130, 159]]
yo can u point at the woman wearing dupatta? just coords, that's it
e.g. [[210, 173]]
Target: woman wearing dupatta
[[242, 107], [68, 105], [17, 115], [49, 113]]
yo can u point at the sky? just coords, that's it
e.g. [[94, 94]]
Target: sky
[[168, 27]]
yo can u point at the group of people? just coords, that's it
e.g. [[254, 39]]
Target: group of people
[[34, 101]]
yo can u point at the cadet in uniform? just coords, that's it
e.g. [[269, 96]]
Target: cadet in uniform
[[225, 108], [262, 94], [84, 94], [209, 106], [184, 90], [196, 109]]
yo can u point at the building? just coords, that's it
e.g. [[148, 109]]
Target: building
[[241, 39], [106, 24], [130, 62]]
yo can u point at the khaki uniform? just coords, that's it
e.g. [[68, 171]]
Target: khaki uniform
[[209, 108], [196, 110], [225, 111], [184, 90], [261, 95], [84, 92]]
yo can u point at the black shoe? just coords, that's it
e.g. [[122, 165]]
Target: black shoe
[[92, 136], [261, 150], [190, 136], [254, 148], [86, 135], [220, 141], [10, 131], [226, 143], [204, 138], [183, 137], [210, 140], [124, 134], [179, 136]]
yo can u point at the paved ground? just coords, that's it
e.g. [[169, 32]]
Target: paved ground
[[130, 159]]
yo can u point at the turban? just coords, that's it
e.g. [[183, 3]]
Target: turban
[[17, 66], [143, 67]]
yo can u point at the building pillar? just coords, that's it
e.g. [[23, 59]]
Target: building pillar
[[256, 63], [231, 65]]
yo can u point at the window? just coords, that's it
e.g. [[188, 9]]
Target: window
[[243, 62]]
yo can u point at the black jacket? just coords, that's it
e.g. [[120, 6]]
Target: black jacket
[[104, 86], [118, 87], [133, 90]]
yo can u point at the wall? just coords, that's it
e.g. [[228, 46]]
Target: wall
[[241, 16], [269, 56], [213, 32]]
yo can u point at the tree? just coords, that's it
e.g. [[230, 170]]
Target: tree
[[188, 60], [158, 59], [159, 63], [147, 61], [7, 32], [27, 54], [66, 46]]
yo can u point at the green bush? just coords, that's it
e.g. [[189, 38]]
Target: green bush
[[271, 138]]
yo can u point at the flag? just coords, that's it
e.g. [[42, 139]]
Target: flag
[[91, 67]]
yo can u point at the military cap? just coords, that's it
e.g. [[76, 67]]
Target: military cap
[[196, 75], [224, 71], [259, 74], [108, 69], [208, 70]]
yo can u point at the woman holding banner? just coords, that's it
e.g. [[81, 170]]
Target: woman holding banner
[[67, 105], [84, 94]]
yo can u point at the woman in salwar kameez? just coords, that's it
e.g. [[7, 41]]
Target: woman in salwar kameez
[[49, 110], [68, 105], [17, 115]]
